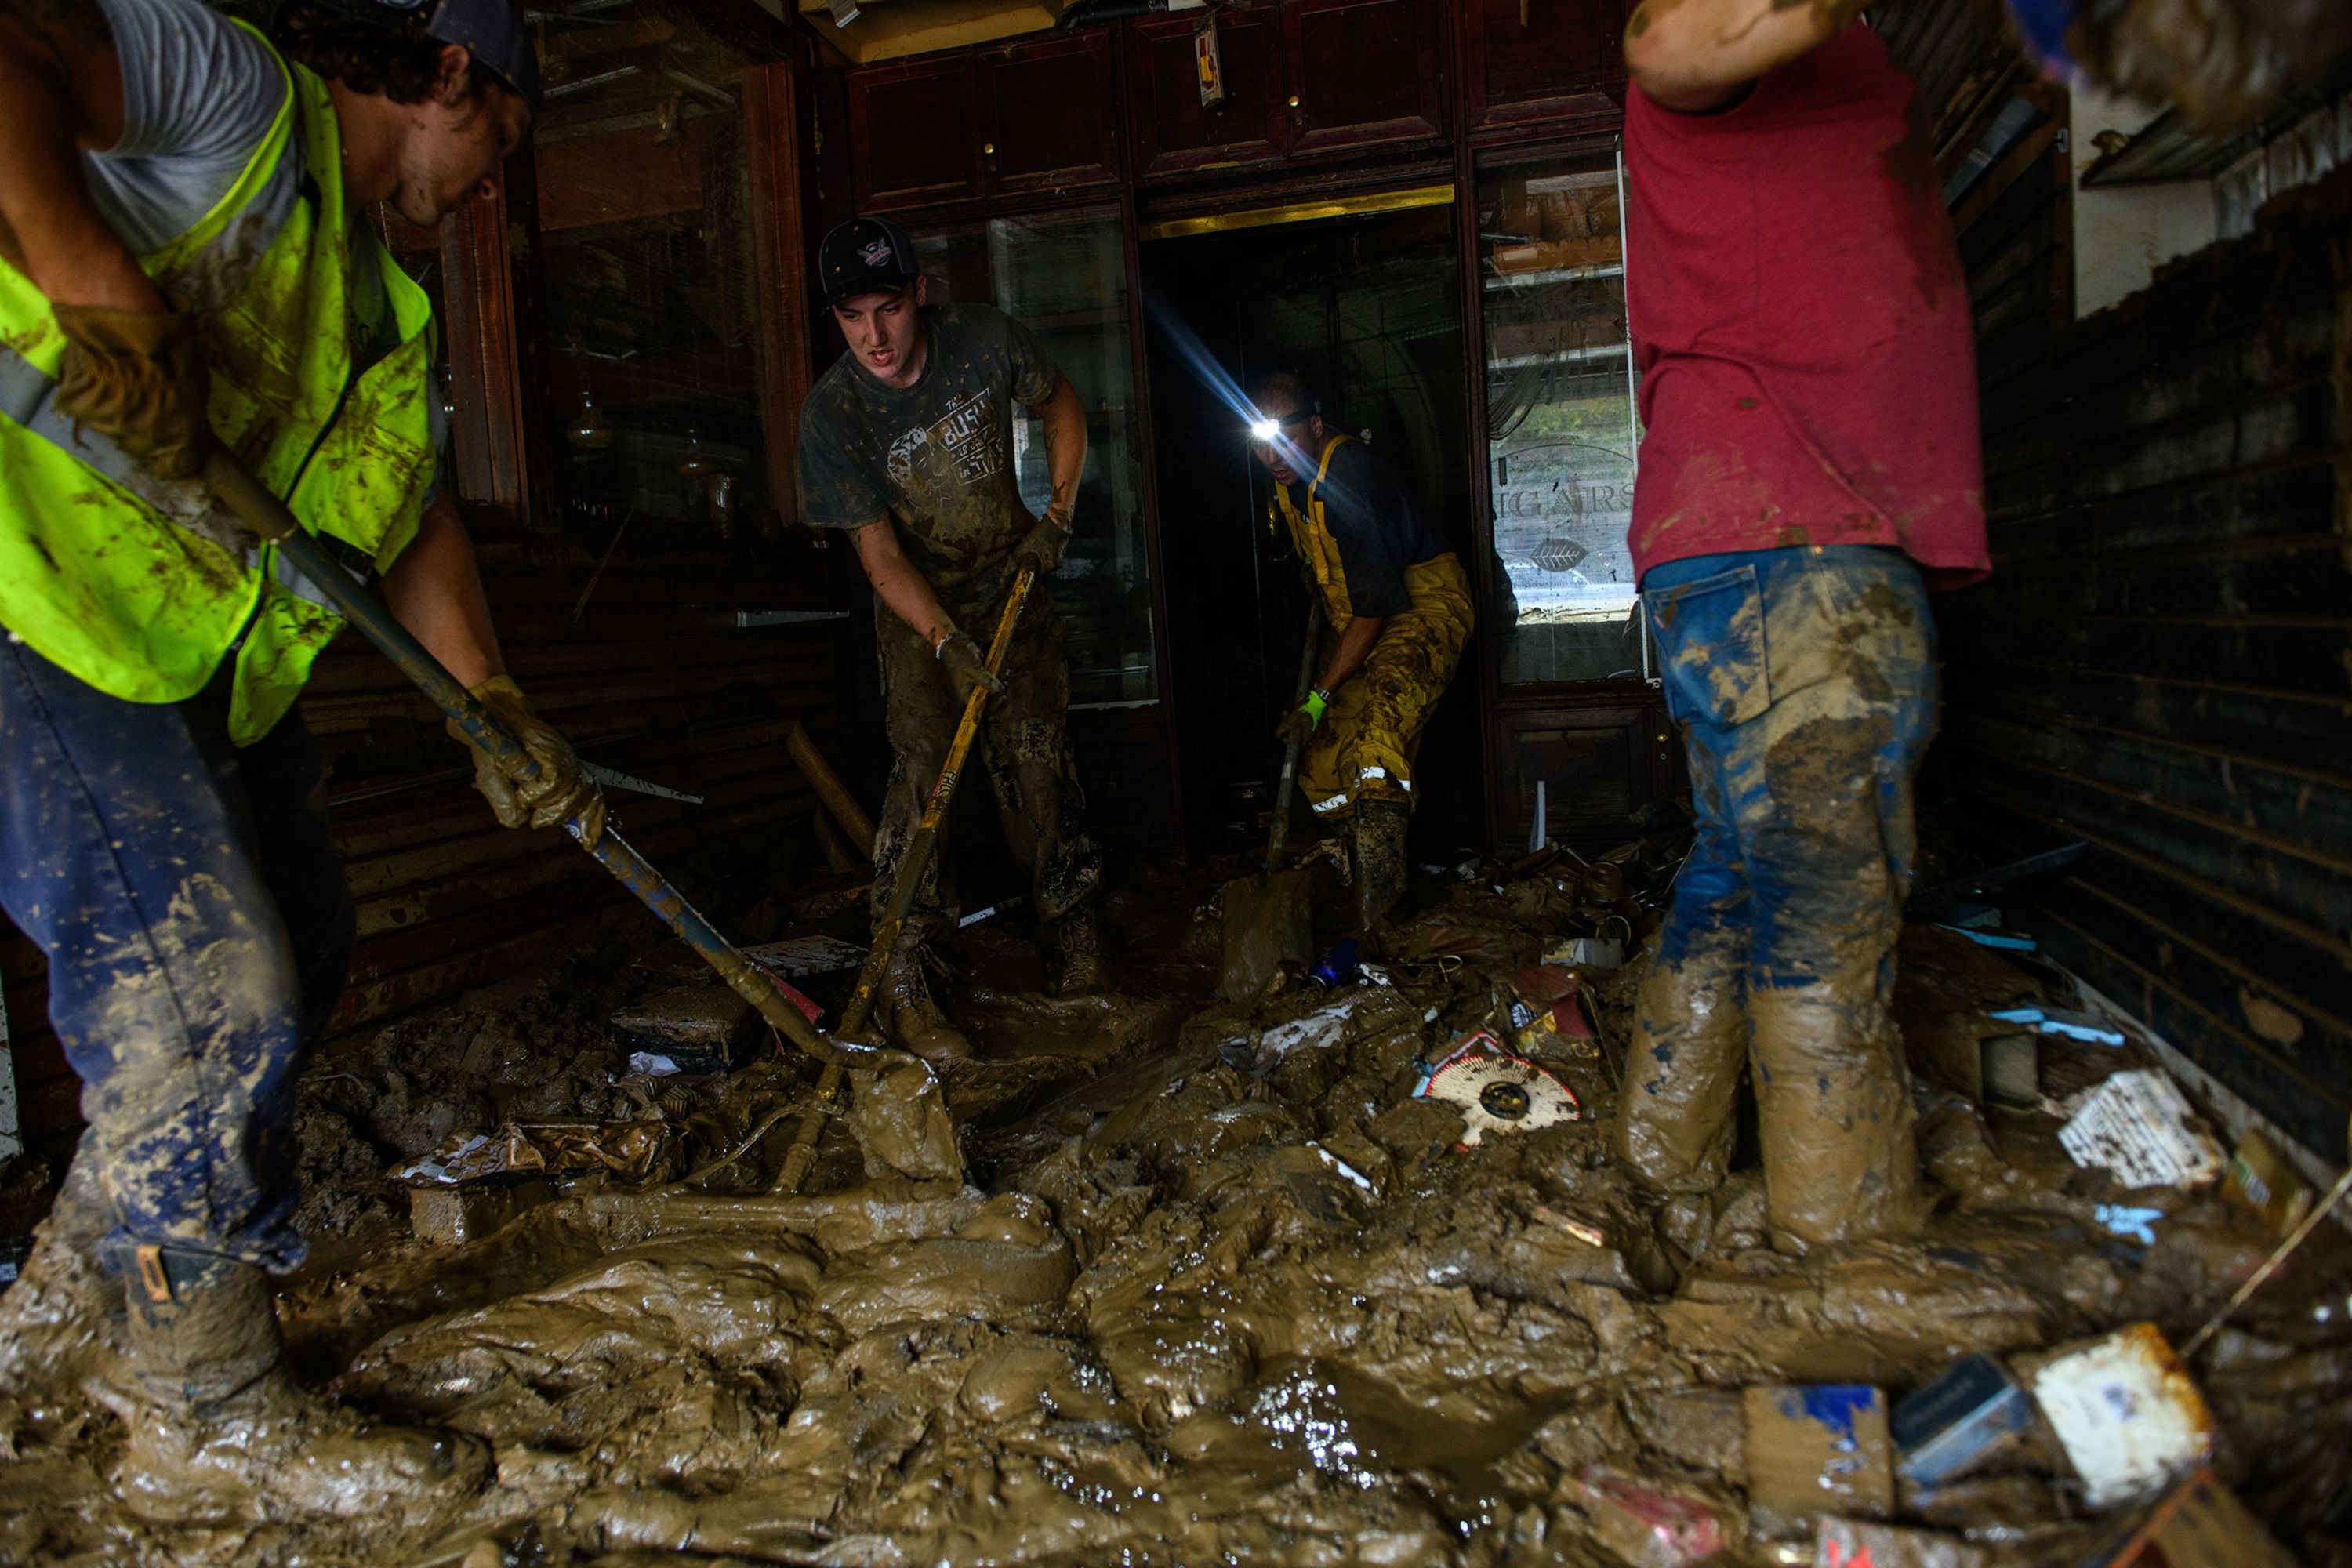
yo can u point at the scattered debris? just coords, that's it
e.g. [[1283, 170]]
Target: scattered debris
[[803, 957], [2199, 1523], [2260, 1177], [1960, 1423], [2125, 1410], [629, 1150], [2072, 1023], [1494, 1090], [451, 1217], [1646, 1524], [2137, 1125], [1858, 1544], [1814, 1449], [700, 1027]]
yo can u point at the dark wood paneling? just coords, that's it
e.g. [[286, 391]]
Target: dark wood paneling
[[2158, 665], [1171, 132], [780, 255], [623, 176], [1049, 116], [1362, 73], [1533, 67], [914, 133]]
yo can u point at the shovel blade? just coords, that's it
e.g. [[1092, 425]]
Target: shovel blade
[[1267, 920]]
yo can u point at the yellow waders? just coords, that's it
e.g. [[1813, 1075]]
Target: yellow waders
[[1364, 748]]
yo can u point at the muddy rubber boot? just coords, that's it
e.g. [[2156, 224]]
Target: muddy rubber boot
[[63, 1316], [1076, 941], [1380, 860], [915, 1018], [220, 1431]]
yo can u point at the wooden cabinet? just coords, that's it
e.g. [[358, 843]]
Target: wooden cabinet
[[913, 134], [1014, 119], [1361, 73], [1046, 115], [1539, 63], [1172, 132], [1314, 79]]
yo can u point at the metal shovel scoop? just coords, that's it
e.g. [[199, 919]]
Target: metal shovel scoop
[[1266, 915]]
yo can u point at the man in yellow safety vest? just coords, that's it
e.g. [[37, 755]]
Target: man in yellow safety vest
[[186, 261]]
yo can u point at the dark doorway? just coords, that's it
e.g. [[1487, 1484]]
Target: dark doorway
[[1370, 311]]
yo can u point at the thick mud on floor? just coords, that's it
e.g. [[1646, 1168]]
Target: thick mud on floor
[[1221, 1290]]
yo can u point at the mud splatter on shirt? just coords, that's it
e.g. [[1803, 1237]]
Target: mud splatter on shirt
[[936, 456]]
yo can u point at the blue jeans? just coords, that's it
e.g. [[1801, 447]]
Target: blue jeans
[[1805, 683], [198, 928]]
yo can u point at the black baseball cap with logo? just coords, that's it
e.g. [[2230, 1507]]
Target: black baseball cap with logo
[[864, 256]]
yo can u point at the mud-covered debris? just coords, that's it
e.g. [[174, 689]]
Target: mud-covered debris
[[2138, 1126], [1815, 1449], [701, 1028], [2128, 1414], [1496, 1091], [2261, 1178], [1860, 1543], [450, 1216], [2199, 1523], [1649, 1524], [631, 1151], [1959, 1423]]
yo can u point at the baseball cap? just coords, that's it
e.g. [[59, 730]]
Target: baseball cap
[[864, 256], [489, 30]]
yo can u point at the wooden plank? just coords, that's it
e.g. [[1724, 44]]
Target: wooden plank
[[771, 122]]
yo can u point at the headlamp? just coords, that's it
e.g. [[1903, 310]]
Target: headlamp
[[1265, 430]]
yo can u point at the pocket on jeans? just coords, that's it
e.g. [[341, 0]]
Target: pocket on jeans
[[1711, 638]]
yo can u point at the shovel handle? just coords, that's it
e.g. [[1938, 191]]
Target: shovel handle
[[268, 518], [1290, 783], [913, 863]]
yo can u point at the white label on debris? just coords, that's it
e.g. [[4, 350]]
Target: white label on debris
[[1322, 1027], [651, 1064], [2127, 1414], [2137, 1125]]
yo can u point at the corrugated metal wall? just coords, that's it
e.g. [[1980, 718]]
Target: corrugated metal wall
[[2162, 663], [659, 683]]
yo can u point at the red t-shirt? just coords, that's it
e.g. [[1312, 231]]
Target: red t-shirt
[[1801, 322]]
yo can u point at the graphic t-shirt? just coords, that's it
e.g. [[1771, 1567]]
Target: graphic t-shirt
[[1377, 528], [936, 456], [1801, 322]]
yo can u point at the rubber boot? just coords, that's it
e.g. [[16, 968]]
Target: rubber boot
[[915, 1018], [62, 1319], [1380, 860], [220, 1431], [1076, 940]]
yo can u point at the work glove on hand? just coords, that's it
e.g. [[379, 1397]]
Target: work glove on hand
[[967, 666], [561, 789], [139, 378], [1044, 546]]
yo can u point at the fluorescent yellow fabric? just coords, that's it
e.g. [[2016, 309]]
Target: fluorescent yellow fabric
[[1311, 535], [103, 569], [1364, 748]]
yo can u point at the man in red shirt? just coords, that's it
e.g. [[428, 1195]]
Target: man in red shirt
[[1811, 468]]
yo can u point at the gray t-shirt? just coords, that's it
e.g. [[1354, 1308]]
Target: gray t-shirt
[[937, 456], [199, 93]]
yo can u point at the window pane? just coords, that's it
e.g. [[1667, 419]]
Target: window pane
[[1559, 422], [1064, 277], [645, 251]]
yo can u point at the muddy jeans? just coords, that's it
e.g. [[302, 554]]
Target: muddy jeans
[[1805, 682], [198, 928], [1022, 748]]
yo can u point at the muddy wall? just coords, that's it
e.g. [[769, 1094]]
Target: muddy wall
[[658, 681], [2162, 665]]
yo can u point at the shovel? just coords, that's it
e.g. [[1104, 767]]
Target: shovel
[[926, 1148], [1266, 915], [912, 864]]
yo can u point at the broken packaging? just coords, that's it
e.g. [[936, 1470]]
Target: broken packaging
[[2126, 1412]]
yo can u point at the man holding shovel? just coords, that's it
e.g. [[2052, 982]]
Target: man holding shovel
[[1398, 610], [186, 263], [907, 444]]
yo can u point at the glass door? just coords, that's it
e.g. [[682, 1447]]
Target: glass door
[[1064, 276], [1561, 429]]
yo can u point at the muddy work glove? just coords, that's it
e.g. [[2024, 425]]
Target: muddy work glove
[[1299, 723], [966, 666], [140, 379], [561, 787], [1042, 548]]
